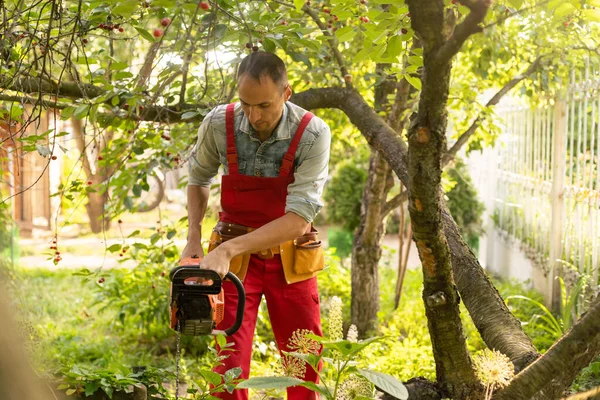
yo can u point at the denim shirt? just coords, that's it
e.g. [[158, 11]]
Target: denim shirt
[[264, 159]]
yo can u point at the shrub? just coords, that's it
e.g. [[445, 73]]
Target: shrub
[[343, 194]]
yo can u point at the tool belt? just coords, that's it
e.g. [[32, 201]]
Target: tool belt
[[302, 257]]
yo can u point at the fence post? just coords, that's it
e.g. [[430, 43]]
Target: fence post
[[557, 203]]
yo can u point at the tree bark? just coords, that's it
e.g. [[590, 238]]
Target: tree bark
[[366, 249], [426, 145], [492, 318], [486, 307], [99, 222]]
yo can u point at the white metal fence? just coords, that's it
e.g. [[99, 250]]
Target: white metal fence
[[548, 186]]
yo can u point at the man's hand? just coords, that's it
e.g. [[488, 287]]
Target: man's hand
[[218, 261], [193, 249]]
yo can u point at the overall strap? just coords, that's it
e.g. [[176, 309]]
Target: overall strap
[[287, 164], [232, 160]]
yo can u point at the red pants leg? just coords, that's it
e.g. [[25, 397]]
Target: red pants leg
[[242, 339], [292, 307]]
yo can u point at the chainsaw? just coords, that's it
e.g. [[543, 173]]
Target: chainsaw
[[197, 300]]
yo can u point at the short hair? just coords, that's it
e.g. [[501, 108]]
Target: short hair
[[262, 63]]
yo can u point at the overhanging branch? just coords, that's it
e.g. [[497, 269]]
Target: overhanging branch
[[464, 30], [466, 135], [540, 373]]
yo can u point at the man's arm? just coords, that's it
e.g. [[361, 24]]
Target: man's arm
[[197, 200], [287, 227], [203, 166]]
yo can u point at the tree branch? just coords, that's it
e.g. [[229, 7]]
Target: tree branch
[[521, 11], [573, 344], [468, 27], [466, 135], [395, 202]]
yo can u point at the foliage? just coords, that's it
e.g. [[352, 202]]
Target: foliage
[[339, 377], [83, 381], [463, 203], [343, 194], [556, 326], [340, 239]]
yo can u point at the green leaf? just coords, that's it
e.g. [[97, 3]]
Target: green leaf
[[188, 115], [269, 382], [67, 112], [211, 377], [145, 34], [114, 248], [269, 45], [43, 150], [414, 81], [125, 8], [564, 10], [137, 190], [232, 373], [315, 388], [81, 111], [346, 33], [91, 387], [516, 3], [415, 60], [299, 4], [123, 75], [591, 15], [117, 66], [15, 111], [386, 383], [70, 392], [394, 46], [128, 202]]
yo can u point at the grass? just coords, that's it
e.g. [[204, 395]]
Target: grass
[[66, 329]]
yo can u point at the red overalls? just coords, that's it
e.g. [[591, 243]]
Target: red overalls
[[255, 201]]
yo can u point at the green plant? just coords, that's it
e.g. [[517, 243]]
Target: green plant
[[343, 194], [340, 374], [139, 294], [80, 380], [341, 240], [556, 326], [464, 206]]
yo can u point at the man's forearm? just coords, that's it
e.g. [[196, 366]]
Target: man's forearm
[[197, 200], [287, 227]]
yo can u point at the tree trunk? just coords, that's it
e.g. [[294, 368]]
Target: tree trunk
[[96, 202], [426, 146], [482, 300], [99, 222], [366, 249], [498, 327]]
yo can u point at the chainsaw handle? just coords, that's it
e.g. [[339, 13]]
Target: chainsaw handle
[[239, 316]]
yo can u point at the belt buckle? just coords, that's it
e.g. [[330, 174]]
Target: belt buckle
[[266, 254]]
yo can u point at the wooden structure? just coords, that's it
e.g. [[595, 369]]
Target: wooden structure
[[25, 178]]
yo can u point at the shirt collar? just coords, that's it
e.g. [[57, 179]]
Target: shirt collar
[[282, 131]]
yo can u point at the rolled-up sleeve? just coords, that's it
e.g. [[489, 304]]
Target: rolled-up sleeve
[[304, 194], [204, 161]]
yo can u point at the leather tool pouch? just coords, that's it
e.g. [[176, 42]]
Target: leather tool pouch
[[222, 233], [308, 257]]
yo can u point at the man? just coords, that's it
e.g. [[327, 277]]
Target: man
[[275, 157]]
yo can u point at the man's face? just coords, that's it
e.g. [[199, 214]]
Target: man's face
[[262, 102]]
